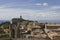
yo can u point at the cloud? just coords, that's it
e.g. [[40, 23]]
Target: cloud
[[45, 4], [8, 13], [38, 4], [55, 7], [41, 4]]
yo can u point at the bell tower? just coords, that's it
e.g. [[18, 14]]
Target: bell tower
[[20, 17]]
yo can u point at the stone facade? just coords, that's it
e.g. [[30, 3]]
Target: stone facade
[[52, 30], [26, 28], [21, 28]]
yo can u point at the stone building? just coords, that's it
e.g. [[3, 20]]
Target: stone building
[[26, 28], [21, 28], [52, 30]]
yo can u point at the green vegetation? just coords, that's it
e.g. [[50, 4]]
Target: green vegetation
[[4, 36], [3, 28]]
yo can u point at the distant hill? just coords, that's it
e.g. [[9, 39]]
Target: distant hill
[[50, 21], [2, 21]]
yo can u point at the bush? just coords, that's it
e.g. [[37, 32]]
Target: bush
[[4, 36]]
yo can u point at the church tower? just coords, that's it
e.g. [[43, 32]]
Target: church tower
[[21, 19]]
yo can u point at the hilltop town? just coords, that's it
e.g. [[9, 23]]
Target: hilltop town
[[21, 28]]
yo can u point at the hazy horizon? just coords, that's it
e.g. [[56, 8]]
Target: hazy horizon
[[30, 9]]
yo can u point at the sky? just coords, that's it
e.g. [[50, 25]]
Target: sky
[[30, 9]]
